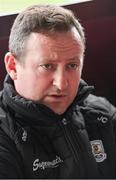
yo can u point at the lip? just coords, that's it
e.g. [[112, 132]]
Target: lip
[[57, 97]]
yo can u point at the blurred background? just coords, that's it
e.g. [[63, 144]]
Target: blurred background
[[15, 6]]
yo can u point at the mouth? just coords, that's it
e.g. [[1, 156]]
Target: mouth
[[57, 98]]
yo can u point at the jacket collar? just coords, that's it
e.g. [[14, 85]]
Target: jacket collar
[[32, 110]]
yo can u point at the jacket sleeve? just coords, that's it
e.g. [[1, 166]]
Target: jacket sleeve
[[114, 124], [10, 160], [101, 107], [100, 104]]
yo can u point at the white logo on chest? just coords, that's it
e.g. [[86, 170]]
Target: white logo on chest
[[46, 164], [102, 119]]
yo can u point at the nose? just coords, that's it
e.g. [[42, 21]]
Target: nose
[[60, 79]]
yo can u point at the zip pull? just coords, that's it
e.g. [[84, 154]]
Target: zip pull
[[64, 121], [24, 135]]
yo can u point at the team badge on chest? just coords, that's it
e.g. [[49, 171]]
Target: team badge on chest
[[98, 150]]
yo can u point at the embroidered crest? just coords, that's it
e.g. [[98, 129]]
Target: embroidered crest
[[98, 150]]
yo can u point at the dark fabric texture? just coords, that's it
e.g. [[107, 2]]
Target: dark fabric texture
[[37, 143]]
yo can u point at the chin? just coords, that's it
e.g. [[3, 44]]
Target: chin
[[59, 112], [57, 108]]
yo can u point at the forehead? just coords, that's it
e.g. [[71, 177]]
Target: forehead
[[61, 43], [55, 37]]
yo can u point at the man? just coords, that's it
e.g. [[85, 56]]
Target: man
[[51, 125]]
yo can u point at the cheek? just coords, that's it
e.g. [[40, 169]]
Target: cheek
[[42, 83], [74, 83], [75, 77]]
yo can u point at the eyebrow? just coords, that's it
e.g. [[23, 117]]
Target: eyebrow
[[76, 58]]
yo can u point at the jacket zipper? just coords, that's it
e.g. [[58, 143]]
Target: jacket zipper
[[72, 140]]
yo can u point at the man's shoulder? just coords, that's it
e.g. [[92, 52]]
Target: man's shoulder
[[96, 109], [100, 103]]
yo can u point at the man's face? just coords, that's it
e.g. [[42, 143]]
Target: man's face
[[52, 68]]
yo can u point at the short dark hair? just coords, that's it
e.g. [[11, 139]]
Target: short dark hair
[[38, 18]]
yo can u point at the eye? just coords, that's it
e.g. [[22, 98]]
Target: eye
[[48, 66], [73, 66]]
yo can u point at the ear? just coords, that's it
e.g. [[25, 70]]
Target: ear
[[10, 64]]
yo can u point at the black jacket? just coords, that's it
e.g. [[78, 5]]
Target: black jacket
[[37, 143]]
